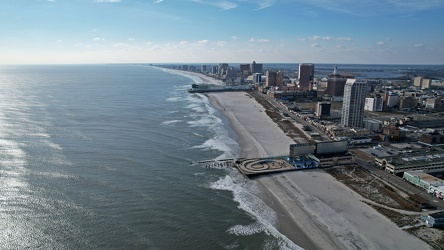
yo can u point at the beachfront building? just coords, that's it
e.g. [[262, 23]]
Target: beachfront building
[[306, 76], [353, 106], [323, 154], [203, 68], [214, 70], [221, 70]]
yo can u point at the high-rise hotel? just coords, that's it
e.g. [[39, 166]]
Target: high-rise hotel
[[353, 105], [306, 75]]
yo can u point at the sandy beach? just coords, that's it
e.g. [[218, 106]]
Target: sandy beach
[[314, 210]]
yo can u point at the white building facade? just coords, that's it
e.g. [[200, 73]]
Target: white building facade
[[373, 103], [353, 106]]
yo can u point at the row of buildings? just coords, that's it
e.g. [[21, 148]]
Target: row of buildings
[[358, 121], [256, 74]]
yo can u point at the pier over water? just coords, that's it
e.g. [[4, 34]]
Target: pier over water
[[257, 166]]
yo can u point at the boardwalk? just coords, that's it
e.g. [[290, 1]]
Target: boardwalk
[[256, 166]]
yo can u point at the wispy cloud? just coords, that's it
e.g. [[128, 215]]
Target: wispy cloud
[[259, 40], [316, 45], [107, 1], [265, 4], [202, 42], [98, 39], [420, 45], [344, 39], [323, 38], [225, 5], [158, 1], [380, 43], [121, 45]]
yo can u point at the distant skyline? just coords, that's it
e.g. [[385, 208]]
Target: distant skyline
[[205, 31]]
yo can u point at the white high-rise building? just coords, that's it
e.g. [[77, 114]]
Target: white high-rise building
[[353, 105], [373, 103]]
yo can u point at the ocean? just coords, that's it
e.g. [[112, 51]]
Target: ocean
[[99, 157]]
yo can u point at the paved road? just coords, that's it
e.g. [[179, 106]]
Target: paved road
[[399, 182], [296, 118]]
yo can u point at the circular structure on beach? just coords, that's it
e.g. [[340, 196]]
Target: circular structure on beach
[[263, 165], [258, 166]]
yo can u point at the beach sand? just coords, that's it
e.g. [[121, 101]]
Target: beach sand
[[314, 210]]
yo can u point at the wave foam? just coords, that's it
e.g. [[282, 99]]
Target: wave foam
[[241, 230], [246, 192], [170, 122]]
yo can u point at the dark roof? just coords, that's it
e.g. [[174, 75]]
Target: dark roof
[[437, 216]]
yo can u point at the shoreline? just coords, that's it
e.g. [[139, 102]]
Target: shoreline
[[315, 211], [292, 223]]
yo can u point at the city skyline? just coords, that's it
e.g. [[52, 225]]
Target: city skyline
[[197, 31]]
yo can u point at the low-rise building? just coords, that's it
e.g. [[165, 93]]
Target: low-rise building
[[434, 220], [323, 109], [432, 139], [372, 124], [422, 180], [359, 140], [409, 161], [324, 154], [392, 133]]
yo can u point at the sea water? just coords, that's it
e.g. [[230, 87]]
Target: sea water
[[100, 157]]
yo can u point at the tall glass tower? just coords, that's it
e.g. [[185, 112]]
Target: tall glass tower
[[353, 105]]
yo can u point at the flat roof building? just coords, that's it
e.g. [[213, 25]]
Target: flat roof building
[[430, 163]]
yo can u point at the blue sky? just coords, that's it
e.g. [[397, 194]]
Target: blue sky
[[205, 31]]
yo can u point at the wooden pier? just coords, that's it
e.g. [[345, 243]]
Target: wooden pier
[[250, 167]]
